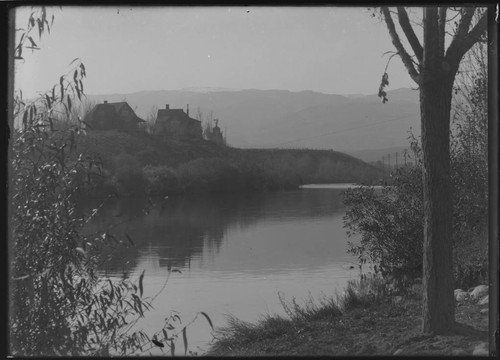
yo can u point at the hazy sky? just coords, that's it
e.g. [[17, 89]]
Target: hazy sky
[[128, 49]]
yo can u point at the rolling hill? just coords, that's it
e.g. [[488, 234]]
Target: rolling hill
[[284, 119]]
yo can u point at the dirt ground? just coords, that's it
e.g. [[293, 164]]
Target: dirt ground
[[379, 329]]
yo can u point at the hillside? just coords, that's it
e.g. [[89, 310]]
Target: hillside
[[372, 155], [138, 162], [280, 118], [147, 149]]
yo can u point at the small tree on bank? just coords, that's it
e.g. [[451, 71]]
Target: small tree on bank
[[434, 68]]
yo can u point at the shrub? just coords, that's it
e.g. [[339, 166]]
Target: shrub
[[161, 180], [60, 306], [127, 175], [59, 303], [389, 221]]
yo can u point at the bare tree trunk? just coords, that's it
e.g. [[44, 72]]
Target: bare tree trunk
[[438, 305], [435, 71], [436, 86]]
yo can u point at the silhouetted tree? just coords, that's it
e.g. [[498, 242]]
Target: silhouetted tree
[[434, 69]]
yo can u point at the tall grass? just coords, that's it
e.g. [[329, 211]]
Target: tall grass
[[363, 293]]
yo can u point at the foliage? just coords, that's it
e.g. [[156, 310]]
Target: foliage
[[325, 308], [161, 180], [226, 169], [151, 119], [390, 220], [60, 304], [127, 175], [434, 67], [470, 171], [301, 318]]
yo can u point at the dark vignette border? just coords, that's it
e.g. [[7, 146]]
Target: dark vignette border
[[493, 137], [6, 88]]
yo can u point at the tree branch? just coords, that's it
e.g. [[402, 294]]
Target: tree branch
[[404, 21], [463, 41], [475, 34], [441, 28], [464, 24], [405, 57]]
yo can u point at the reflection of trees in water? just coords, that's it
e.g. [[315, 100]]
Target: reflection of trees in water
[[180, 229]]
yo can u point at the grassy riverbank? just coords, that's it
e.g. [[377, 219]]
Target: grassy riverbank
[[364, 321]]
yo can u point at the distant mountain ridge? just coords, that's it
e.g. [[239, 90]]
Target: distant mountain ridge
[[207, 89], [285, 119]]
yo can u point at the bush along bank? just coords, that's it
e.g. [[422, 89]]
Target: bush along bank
[[200, 176], [192, 167], [374, 316]]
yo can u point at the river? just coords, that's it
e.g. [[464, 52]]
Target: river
[[235, 254]]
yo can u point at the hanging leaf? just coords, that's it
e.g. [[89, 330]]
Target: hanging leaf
[[25, 119], [208, 319], [112, 293], [61, 83], [157, 343], [83, 70], [33, 44], [140, 282], [383, 83], [78, 92], [172, 347], [69, 102], [44, 14], [184, 338], [40, 28], [49, 103]]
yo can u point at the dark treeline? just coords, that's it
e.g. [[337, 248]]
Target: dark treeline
[[138, 163]]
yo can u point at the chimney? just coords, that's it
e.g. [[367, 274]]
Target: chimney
[[105, 101], [167, 106], [187, 109]]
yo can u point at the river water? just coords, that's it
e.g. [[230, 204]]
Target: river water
[[235, 254]]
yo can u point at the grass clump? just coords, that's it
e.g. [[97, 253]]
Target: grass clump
[[359, 297], [239, 333], [299, 318], [324, 309]]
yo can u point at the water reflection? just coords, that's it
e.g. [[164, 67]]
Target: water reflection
[[178, 230], [236, 252]]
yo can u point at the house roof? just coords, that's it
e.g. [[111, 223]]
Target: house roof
[[111, 111], [105, 110], [174, 114]]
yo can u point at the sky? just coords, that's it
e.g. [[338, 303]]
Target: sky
[[333, 50]]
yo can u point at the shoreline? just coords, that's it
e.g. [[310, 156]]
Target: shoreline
[[364, 321]]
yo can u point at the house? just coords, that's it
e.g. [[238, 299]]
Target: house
[[176, 122], [109, 116], [215, 134]]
